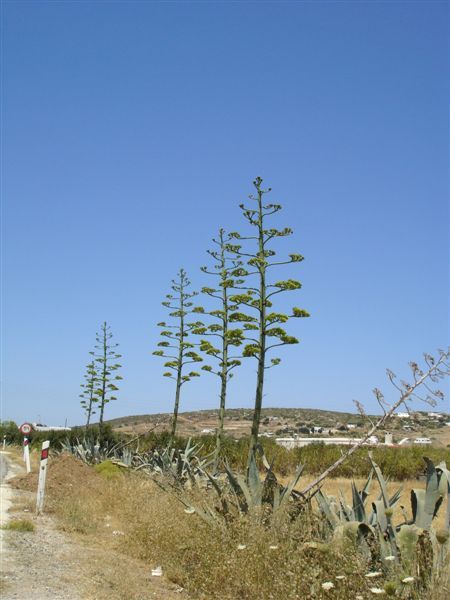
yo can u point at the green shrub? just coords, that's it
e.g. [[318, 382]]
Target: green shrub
[[21, 525], [108, 469], [106, 436], [397, 463], [11, 431]]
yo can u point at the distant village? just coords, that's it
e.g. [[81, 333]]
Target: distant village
[[407, 427]]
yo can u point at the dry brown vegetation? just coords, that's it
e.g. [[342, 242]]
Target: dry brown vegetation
[[208, 564], [245, 561], [275, 563]]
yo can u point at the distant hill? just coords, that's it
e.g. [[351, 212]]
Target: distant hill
[[241, 418], [281, 421]]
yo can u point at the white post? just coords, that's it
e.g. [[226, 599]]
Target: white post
[[42, 476], [4, 442], [26, 453]]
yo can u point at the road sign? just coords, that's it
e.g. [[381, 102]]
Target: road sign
[[25, 428]]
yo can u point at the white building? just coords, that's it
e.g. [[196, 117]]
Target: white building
[[42, 427], [298, 442], [424, 441]]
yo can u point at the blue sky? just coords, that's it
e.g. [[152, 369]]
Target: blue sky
[[133, 130]]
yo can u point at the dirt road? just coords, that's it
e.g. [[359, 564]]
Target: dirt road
[[3, 467], [37, 564], [48, 564]]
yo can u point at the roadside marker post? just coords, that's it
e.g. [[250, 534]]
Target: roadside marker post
[[4, 442], [42, 477], [26, 453], [25, 429]]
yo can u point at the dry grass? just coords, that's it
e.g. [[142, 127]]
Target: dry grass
[[24, 505], [278, 562], [210, 564], [131, 516]]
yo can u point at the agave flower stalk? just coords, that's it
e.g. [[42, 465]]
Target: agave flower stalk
[[257, 297], [224, 268], [175, 346], [105, 356], [88, 397]]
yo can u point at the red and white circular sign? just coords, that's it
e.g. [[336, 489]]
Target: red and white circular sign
[[25, 428]]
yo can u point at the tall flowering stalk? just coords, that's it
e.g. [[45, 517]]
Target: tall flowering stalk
[[218, 339], [259, 290], [105, 357], [175, 346], [89, 389]]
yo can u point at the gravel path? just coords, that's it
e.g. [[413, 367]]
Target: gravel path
[[5, 503], [39, 564], [3, 467]]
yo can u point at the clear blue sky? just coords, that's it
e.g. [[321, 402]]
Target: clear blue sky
[[133, 130]]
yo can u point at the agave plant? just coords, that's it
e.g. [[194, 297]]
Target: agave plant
[[416, 538], [403, 548], [179, 467], [426, 503], [91, 452], [236, 495], [87, 450], [356, 522]]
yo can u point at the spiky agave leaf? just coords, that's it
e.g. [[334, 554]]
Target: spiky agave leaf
[[426, 503], [444, 488], [286, 492], [358, 505]]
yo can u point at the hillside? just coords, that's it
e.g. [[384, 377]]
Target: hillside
[[284, 421]]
